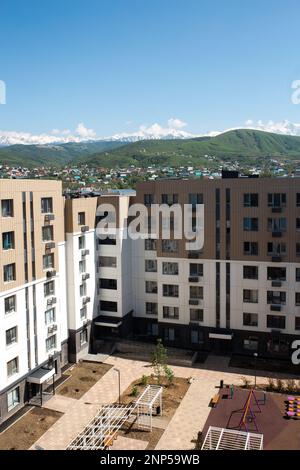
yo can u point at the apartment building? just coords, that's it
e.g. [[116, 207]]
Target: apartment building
[[33, 323], [65, 292]]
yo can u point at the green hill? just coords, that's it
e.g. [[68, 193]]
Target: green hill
[[243, 145]]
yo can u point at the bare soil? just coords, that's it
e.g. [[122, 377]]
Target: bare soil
[[81, 377], [28, 429]]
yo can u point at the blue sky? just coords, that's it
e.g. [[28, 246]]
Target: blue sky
[[115, 65]]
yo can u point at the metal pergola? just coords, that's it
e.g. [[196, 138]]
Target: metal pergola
[[100, 433], [229, 439]]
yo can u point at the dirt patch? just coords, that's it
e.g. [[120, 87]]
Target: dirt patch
[[81, 377], [152, 438], [172, 394], [28, 429]]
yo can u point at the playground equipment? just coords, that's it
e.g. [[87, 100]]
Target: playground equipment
[[293, 407], [100, 433], [248, 414], [227, 439]]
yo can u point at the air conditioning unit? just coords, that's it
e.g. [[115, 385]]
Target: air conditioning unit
[[85, 276], [85, 228], [276, 259], [193, 279], [50, 246], [276, 283], [276, 308], [277, 234], [50, 274], [86, 300], [49, 217], [51, 301], [194, 301], [52, 329], [85, 252]]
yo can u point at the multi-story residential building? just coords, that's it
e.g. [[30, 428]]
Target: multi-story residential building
[[64, 291], [33, 323]]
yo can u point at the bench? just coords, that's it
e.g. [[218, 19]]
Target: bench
[[215, 399]]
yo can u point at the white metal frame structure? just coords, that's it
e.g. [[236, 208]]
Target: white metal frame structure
[[229, 439], [100, 433]]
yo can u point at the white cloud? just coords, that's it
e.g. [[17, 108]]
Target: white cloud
[[84, 132], [175, 123], [281, 127]]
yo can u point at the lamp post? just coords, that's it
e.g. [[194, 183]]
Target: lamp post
[[119, 378], [255, 366]]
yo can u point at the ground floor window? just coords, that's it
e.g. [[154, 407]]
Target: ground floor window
[[152, 329], [13, 398], [197, 337], [83, 337], [278, 345], [251, 344]]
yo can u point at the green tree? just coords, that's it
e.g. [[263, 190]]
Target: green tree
[[159, 360]]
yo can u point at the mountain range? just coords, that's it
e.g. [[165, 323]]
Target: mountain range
[[243, 145]]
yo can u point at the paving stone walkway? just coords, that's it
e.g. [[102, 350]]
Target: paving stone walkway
[[189, 418]]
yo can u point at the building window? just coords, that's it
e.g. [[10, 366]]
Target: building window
[[49, 288], [13, 367], [108, 284], [169, 199], [51, 343], [50, 316], [148, 199], [250, 319], [13, 398], [276, 200], [83, 337], [107, 261], [196, 292], [297, 249], [169, 334], [298, 224], [197, 337], [298, 199], [170, 290], [82, 266], [297, 299], [169, 246], [277, 225], [297, 323], [7, 208], [152, 329], [250, 344], [81, 242], [9, 272], [47, 205], [251, 248], [82, 290], [151, 308], [250, 296], [48, 261], [47, 233], [276, 248], [150, 266], [83, 313], [196, 314], [150, 244], [196, 269], [11, 336], [170, 269], [195, 198], [108, 306], [276, 297], [10, 304], [250, 272], [276, 274], [81, 218], [109, 240], [151, 287], [276, 321], [297, 274], [251, 200], [171, 312], [250, 224], [8, 240]]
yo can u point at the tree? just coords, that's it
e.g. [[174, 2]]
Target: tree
[[159, 360]]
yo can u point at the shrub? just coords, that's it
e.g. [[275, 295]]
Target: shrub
[[279, 385], [169, 375], [290, 386], [144, 380], [246, 382], [271, 385], [134, 391]]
